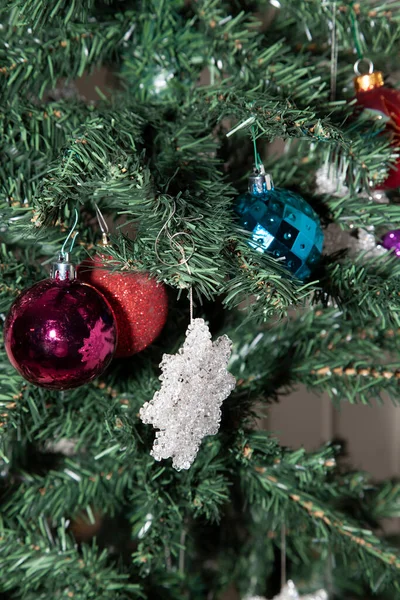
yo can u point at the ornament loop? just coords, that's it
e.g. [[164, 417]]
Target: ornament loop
[[62, 251], [367, 81], [185, 259], [171, 238], [369, 63]]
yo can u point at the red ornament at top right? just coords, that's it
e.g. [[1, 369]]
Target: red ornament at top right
[[372, 94]]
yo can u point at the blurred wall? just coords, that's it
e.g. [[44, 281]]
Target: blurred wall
[[371, 433]]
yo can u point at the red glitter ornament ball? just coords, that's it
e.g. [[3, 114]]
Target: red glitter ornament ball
[[140, 304], [372, 94], [60, 334]]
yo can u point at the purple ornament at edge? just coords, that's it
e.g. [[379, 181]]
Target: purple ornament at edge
[[60, 333], [391, 241]]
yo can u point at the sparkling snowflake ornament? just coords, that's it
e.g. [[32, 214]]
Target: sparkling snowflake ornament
[[195, 382], [62, 446], [289, 592], [367, 243], [329, 180]]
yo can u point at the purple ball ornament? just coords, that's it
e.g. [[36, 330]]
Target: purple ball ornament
[[391, 241], [61, 332]]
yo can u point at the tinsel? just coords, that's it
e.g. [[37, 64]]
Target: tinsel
[[363, 240]]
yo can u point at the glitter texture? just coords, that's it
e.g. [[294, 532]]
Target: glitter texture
[[140, 304], [289, 592], [330, 180], [195, 382], [354, 241], [368, 244]]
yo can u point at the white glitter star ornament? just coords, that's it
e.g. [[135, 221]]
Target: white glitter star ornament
[[195, 382]]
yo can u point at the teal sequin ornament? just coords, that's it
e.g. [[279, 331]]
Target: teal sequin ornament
[[282, 223]]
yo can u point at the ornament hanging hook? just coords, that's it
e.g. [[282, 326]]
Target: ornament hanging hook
[[357, 65], [257, 159], [62, 251], [175, 244], [103, 226], [365, 82]]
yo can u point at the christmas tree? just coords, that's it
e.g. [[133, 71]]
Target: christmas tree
[[107, 488]]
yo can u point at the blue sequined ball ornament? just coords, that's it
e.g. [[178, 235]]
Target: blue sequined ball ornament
[[282, 223]]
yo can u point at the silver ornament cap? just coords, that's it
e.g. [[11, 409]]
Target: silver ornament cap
[[63, 269], [260, 181]]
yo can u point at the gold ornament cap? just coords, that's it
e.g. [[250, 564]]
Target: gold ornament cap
[[364, 82], [105, 240]]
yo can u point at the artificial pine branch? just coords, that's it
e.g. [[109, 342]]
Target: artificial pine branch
[[361, 545], [50, 561], [165, 165]]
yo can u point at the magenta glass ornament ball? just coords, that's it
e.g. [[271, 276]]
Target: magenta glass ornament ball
[[60, 334], [391, 241]]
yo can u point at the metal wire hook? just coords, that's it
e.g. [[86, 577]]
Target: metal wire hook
[[62, 251], [103, 225], [369, 63], [185, 259]]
